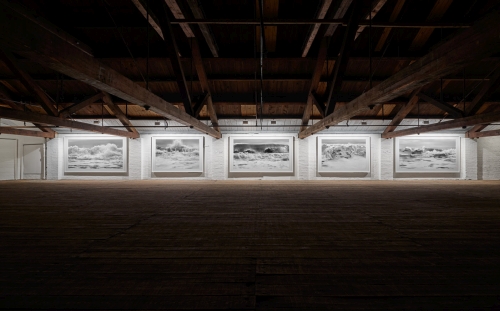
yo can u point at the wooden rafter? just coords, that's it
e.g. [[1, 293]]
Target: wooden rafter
[[378, 6], [339, 14], [449, 57], [202, 76], [387, 30], [318, 69], [141, 5], [471, 134], [118, 113], [14, 131], [341, 62], [439, 9], [205, 30], [403, 112], [8, 100], [452, 111], [39, 45], [462, 122], [173, 52], [178, 14], [30, 84], [486, 91], [325, 5], [68, 111], [199, 104], [46, 119]]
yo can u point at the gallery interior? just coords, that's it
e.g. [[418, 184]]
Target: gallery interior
[[249, 155]]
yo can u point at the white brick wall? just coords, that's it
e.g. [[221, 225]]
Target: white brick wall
[[488, 158], [480, 160]]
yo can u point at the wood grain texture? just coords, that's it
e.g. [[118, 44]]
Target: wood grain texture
[[249, 245]]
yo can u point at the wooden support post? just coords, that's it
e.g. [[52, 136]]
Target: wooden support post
[[46, 119], [449, 57]]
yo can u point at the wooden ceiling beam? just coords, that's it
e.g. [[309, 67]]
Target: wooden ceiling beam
[[202, 76], [205, 30], [142, 6], [50, 120], [482, 134], [68, 111], [178, 14], [385, 34], [14, 131], [35, 43], [47, 103], [12, 104], [339, 14], [462, 122], [199, 104], [118, 113], [403, 112], [318, 69], [454, 112], [423, 35], [378, 6], [461, 50], [173, 52], [486, 91], [343, 58], [325, 5]]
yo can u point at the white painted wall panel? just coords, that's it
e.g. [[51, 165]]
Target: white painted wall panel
[[8, 155]]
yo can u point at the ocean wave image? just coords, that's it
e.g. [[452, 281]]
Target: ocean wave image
[[177, 155], [256, 155], [95, 154], [427, 155], [342, 155]]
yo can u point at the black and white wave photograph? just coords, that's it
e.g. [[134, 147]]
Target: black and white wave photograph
[[177, 154], [428, 155], [95, 154], [261, 155], [348, 155]]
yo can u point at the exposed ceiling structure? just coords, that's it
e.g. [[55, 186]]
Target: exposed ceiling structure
[[395, 67]]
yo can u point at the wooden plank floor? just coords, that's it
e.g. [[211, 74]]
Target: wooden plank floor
[[250, 245]]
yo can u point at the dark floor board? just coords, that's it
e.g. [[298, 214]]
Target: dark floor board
[[249, 245]]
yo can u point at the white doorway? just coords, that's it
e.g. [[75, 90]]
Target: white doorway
[[8, 155], [33, 161]]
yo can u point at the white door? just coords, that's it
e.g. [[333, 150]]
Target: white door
[[8, 154], [32, 161]]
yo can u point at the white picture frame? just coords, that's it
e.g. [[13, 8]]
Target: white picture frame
[[95, 154], [427, 154], [337, 154], [248, 154], [177, 154]]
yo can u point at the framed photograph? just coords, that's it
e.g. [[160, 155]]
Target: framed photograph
[[343, 154], [177, 154], [95, 154], [261, 154], [427, 154]]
